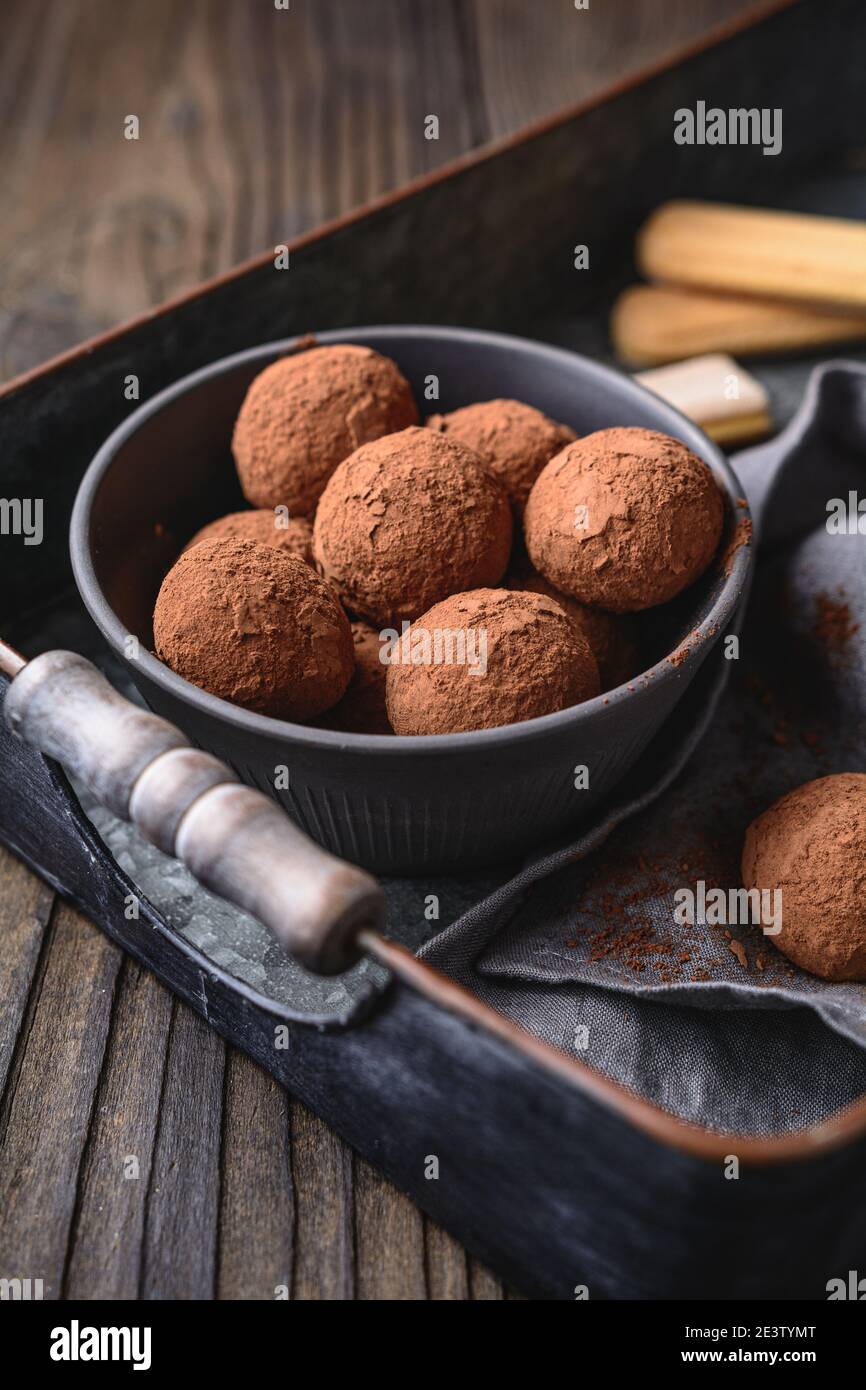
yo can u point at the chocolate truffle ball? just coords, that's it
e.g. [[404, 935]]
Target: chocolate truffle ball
[[254, 625], [485, 658], [304, 414], [362, 708], [294, 536], [624, 519], [514, 440], [407, 520], [609, 636], [811, 844]]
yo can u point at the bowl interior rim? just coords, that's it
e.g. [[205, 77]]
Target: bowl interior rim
[[661, 673]]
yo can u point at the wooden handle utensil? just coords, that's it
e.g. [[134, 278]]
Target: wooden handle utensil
[[234, 840], [739, 250]]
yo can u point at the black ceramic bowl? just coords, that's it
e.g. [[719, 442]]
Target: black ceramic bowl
[[396, 805]]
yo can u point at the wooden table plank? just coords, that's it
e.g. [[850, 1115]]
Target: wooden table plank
[[256, 1234], [324, 1267], [25, 909], [48, 1104], [107, 1239], [180, 1237], [255, 124], [447, 1265], [389, 1240], [535, 58], [484, 1286]]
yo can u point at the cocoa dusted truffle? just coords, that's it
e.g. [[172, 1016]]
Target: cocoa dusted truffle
[[811, 844], [624, 518], [407, 520], [305, 413], [609, 636], [295, 535], [254, 625], [490, 657], [514, 440], [362, 708]]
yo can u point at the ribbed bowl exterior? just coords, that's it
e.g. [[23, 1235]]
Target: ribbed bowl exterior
[[461, 811]]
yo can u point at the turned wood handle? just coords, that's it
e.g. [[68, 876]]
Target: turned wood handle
[[236, 841]]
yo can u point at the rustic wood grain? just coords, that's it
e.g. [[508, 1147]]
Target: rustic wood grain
[[180, 1238], [447, 1265], [484, 1286], [49, 1101], [324, 1266], [25, 909], [256, 1233], [255, 125], [389, 1235], [106, 1244], [534, 58]]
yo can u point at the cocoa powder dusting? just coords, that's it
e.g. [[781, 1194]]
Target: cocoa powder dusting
[[408, 520], [307, 412], [624, 519], [536, 662], [295, 536], [624, 897], [362, 708], [513, 440], [611, 636], [255, 625], [811, 845], [739, 951], [834, 625], [742, 535]]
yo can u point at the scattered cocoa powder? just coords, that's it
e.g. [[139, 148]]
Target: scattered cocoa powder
[[632, 948], [742, 535], [783, 722], [834, 625], [616, 896], [739, 951]]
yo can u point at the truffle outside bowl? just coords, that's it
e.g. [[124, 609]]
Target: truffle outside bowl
[[396, 805]]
